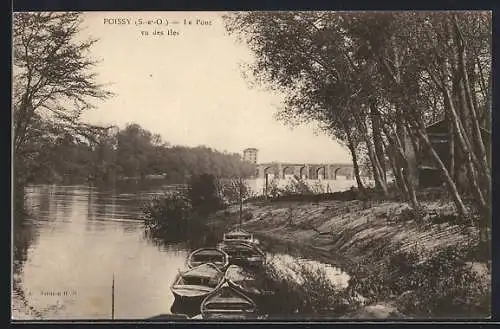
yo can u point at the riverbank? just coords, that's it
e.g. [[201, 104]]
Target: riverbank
[[394, 260]]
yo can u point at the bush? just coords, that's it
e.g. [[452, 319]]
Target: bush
[[203, 192], [296, 186], [444, 285], [231, 190], [170, 219], [168, 212], [303, 290]]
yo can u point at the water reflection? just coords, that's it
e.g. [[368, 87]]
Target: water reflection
[[77, 237], [24, 235], [65, 257]]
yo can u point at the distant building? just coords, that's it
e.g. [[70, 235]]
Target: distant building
[[250, 155]]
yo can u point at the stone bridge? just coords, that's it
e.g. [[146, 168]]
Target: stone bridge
[[304, 171]]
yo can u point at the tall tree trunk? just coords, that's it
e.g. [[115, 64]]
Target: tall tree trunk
[[410, 157], [409, 162], [396, 170], [468, 93], [468, 156], [352, 149], [377, 174], [451, 147], [463, 116], [357, 174], [377, 137]]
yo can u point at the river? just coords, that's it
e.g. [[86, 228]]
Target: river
[[77, 238]]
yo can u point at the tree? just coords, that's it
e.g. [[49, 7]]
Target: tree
[[53, 81], [135, 151], [203, 193], [376, 80], [306, 56], [234, 190]]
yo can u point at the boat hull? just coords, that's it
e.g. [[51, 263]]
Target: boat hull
[[228, 303], [239, 236], [251, 293], [192, 286], [215, 256], [189, 299], [243, 262], [181, 295], [220, 265], [245, 281], [244, 255]]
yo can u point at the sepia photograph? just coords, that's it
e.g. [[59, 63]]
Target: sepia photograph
[[251, 165]]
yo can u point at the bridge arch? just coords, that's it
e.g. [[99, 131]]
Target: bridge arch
[[287, 170], [267, 171], [277, 170], [303, 174], [320, 172], [335, 172], [272, 172]]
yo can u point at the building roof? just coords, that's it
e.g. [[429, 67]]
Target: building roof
[[441, 125]]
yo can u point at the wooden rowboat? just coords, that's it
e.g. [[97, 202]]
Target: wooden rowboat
[[239, 235], [208, 255], [244, 254], [243, 280], [228, 303], [195, 284]]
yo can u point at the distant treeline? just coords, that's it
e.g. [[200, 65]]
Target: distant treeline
[[123, 153]]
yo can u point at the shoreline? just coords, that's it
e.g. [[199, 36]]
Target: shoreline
[[269, 221], [354, 236]]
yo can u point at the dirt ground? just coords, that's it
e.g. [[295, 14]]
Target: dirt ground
[[350, 230], [345, 233]]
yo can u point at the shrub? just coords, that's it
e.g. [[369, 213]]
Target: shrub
[[167, 212], [443, 285], [304, 290], [296, 187], [247, 215], [203, 192], [170, 219], [231, 190], [449, 286]]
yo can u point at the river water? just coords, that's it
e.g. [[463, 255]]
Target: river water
[[78, 238]]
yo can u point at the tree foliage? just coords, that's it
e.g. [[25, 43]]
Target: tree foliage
[[204, 194], [375, 81], [129, 153], [53, 82]]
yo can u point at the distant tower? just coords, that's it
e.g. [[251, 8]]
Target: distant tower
[[250, 155]]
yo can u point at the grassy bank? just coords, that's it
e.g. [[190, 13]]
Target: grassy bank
[[426, 267]]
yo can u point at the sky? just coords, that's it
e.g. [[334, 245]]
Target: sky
[[189, 87]]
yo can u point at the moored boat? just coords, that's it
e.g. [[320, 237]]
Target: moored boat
[[208, 255], [195, 284], [228, 303], [244, 281], [239, 235], [244, 254]]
